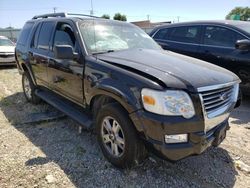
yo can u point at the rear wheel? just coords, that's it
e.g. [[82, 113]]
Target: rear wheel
[[29, 89], [117, 137]]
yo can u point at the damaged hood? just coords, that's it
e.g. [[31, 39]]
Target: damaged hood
[[175, 70]]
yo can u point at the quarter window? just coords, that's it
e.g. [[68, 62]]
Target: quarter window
[[161, 34], [25, 33], [189, 34], [220, 36]]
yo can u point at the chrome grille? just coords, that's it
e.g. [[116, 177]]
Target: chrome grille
[[217, 98], [6, 55]]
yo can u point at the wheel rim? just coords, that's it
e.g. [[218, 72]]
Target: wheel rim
[[26, 87], [113, 137]]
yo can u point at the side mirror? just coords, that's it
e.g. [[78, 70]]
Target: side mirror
[[65, 52], [243, 45]]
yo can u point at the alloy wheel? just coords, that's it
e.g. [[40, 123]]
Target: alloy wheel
[[113, 136]]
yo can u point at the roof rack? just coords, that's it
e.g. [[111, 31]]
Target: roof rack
[[62, 14]]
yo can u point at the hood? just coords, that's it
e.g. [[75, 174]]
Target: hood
[[7, 49], [175, 70]]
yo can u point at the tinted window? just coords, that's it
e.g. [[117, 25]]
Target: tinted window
[[35, 36], [25, 33], [64, 35], [187, 34], [44, 35], [161, 34], [220, 36]]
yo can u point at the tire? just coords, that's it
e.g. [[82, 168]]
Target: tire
[[29, 89], [121, 130]]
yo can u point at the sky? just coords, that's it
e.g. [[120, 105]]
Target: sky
[[15, 12]]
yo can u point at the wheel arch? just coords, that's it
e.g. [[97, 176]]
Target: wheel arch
[[26, 68], [101, 99]]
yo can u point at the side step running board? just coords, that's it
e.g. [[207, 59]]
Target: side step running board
[[66, 106]]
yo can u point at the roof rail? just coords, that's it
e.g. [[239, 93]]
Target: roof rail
[[62, 14], [84, 15]]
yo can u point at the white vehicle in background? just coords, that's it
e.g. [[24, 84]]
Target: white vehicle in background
[[7, 51]]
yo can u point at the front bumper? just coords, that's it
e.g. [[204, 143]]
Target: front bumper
[[7, 59], [155, 127], [198, 142]]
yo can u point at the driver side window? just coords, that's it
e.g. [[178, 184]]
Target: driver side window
[[64, 35]]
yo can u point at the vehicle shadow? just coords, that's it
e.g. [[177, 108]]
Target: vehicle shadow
[[80, 158], [12, 66], [241, 114]]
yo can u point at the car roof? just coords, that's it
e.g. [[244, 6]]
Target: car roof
[[236, 24], [222, 22]]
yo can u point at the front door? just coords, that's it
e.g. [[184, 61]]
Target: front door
[[219, 47], [65, 76]]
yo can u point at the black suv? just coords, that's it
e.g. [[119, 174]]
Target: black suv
[[112, 77], [224, 43]]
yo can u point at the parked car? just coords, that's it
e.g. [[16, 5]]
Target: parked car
[[224, 43], [7, 51], [112, 77]]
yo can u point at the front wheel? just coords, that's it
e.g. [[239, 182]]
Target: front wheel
[[29, 89], [117, 137]]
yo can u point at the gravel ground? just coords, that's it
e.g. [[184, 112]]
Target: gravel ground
[[54, 154]]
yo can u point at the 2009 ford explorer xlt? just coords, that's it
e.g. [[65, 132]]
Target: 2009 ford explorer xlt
[[110, 76]]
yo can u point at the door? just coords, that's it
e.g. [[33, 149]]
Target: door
[[219, 47], [64, 75], [182, 39], [38, 52]]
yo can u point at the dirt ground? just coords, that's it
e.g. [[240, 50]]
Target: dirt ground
[[54, 154]]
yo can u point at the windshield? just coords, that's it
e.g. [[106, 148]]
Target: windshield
[[104, 36], [245, 27], [6, 42]]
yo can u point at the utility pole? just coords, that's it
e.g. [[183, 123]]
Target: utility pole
[[91, 11], [148, 18], [178, 19], [54, 9]]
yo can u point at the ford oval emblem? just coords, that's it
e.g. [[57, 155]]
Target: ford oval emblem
[[223, 96]]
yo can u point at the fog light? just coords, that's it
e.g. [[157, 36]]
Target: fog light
[[177, 138]]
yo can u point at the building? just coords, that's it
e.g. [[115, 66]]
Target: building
[[147, 26], [11, 33]]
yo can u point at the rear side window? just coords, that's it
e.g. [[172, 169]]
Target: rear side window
[[45, 35], [189, 34], [220, 36], [25, 33], [161, 34]]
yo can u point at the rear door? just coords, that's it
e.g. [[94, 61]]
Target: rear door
[[181, 39], [39, 49], [66, 75]]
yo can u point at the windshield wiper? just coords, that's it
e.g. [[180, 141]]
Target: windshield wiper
[[103, 52]]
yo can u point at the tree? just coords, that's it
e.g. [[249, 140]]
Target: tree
[[242, 13], [106, 16], [119, 16]]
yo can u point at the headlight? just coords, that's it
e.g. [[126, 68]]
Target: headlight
[[170, 102]]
